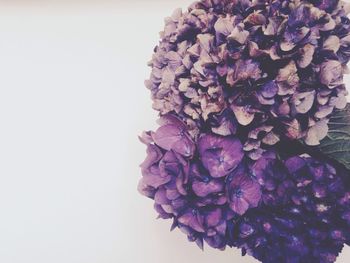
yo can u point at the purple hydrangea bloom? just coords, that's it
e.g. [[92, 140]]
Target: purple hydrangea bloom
[[290, 209], [232, 64], [237, 84], [304, 222]]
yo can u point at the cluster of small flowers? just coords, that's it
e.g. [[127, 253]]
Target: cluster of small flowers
[[278, 210], [232, 80], [228, 65]]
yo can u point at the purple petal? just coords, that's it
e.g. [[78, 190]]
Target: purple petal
[[160, 197], [271, 139], [146, 138], [206, 42], [154, 155], [171, 137], [243, 70], [256, 18], [174, 60], [203, 189], [192, 220], [295, 163], [226, 128], [251, 192], [166, 136], [213, 218], [292, 37], [154, 178], [273, 26], [239, 205], [185, 146], [224, 25], [250, 189], [287, 79], [239, 34], [161, 212], [220, 155], [269, 90]]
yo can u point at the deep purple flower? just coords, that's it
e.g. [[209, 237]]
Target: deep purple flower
[[204, 185], [243, 192], [220, 155], [172, 136]]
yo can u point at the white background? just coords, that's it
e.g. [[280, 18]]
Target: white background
[[72, 102]]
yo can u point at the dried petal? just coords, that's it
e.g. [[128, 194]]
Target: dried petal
[[243, 114], [224, 25], [306, 55], [302, 102], [332, 43], [316, 133], [331, 73]]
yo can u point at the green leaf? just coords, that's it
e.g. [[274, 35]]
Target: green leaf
[[337, 143]]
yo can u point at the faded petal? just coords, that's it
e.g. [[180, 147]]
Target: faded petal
[[292, 37], [243, 114], [302, 102], [306, 55], [243, 70], [324, 111], [331, 73], [239, 34], [316, 133], [224, 25], [256, 18], [293, 129], [272, 26], [332, 43], [287, 79]]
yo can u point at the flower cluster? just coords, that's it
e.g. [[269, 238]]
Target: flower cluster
[[294, 209], [233, 81], [304, 212], [229, 65]]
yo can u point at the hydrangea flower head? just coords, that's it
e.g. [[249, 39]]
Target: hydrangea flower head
[[238, 84], [253, 63]]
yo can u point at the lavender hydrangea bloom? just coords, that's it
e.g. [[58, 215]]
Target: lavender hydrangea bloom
[[256, 61]]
